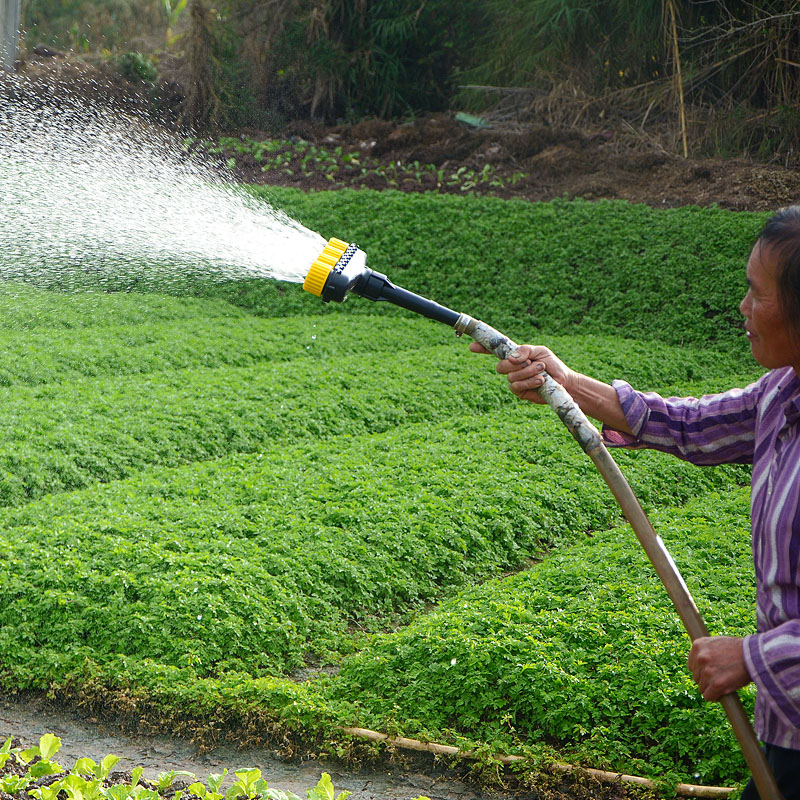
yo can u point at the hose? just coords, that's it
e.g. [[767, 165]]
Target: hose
[[590, 440]]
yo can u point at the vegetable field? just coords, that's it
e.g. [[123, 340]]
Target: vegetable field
[[244, 511]]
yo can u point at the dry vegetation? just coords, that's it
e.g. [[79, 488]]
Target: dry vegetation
[[691, 79]]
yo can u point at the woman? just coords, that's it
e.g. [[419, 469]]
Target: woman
[[758, 425]]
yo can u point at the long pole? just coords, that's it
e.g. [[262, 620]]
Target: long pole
[[9, 33], [676, 57], [590, 440]]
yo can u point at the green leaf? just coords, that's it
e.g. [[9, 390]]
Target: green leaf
[[75, 786], [12, 784], [106, 765], [323, 790], [27, 755], [41, 768], [49, 745], [279, 794], [166, 779], [198, 788], [45, 792], [215, 780], [247, 779], [119, 791], [85, 766], [5, 751]]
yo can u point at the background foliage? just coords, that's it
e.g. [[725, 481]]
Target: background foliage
[[725, 72]]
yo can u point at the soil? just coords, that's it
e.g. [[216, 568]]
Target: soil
[[525, 157], [533, 161], [27, 718], [395, 775]]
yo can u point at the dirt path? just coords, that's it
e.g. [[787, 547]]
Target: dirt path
[[29, 718]]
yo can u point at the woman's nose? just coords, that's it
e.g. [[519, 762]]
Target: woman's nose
[[744, 306]]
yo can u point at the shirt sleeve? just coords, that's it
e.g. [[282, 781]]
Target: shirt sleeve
[[773, 661], [715, 429]]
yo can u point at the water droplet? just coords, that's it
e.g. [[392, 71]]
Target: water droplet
[[125, 205]]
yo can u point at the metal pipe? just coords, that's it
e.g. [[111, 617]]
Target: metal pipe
[[9, 33]]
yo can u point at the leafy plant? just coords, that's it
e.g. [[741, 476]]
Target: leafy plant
[[134, 66], [258, 485], [92, 781], [38, 758], [101, 771], [5, 752], [324, 790], [165, 779], [583, 649], [289, 157], [174, 11]]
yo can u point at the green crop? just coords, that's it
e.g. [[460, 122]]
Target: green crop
[[102, 407], [249, 509], [675, 275], [282, 158], [91, 781], [581, 649], [254, 563]]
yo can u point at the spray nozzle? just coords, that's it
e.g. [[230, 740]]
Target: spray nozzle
[[342, 268], [337, 271]]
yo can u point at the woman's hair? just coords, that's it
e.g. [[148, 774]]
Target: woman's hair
[[781, 234]]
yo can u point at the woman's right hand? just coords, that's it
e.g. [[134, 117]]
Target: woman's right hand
[[524, 370]]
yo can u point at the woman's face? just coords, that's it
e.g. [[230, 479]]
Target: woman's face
[[770, 334]]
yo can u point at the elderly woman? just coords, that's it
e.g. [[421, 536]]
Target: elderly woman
[[759, 425]]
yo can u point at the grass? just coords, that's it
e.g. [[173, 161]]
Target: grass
[[206, 500]]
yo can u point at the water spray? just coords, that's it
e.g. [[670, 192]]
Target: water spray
[[341, 269]]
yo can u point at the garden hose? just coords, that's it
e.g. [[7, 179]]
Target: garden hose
[[342, 269]]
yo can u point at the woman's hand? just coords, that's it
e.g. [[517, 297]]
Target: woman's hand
[[524, 370], [717, 665]]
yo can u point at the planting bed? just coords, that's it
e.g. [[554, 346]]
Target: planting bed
[[245, 514], [533, 161]]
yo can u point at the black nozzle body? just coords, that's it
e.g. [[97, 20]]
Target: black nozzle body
[[376, 286], [351, 274]]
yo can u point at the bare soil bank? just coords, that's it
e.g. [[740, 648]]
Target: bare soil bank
[[540, 163], [533, 160]]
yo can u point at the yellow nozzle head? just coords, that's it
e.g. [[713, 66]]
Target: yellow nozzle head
[[321, 268]]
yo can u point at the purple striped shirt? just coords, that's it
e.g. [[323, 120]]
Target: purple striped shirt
[[758, 425]]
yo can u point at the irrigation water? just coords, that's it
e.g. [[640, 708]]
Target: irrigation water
[[93, 199]]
